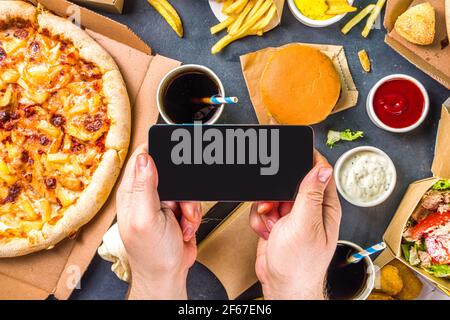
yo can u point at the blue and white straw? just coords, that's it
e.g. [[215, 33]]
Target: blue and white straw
[[356, 257], [216, 100], [224, 100]]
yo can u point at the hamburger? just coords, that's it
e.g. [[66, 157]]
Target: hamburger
[[299, 85]]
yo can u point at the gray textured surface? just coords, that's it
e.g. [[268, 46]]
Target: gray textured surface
[[412, 153]]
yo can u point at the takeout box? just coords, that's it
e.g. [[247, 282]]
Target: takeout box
[[58, 271], [434, 60], [229, 252], [415, 192], [114, 6], [428, 291]]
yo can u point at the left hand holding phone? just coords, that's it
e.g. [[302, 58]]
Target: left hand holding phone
[[159, 237]]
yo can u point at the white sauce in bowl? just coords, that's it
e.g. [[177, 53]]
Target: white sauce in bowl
[[366, 176]]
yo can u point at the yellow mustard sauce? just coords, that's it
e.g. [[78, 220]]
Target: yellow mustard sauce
[[313, 9]]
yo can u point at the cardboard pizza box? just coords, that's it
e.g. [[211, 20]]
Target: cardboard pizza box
[[434, 59], [416, 190], [58, 271], [113, 6]]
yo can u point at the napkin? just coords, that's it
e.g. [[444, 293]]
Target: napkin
[[113, 250]]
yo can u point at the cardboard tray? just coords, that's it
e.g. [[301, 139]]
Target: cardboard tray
[[434, 60], [59, 270], [415, 192]]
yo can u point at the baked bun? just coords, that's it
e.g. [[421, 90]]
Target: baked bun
[[299, 85], [417, 24]]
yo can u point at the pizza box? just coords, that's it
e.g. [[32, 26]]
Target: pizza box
[[58, 271], [434, 59], [113, 6], [414, 193]]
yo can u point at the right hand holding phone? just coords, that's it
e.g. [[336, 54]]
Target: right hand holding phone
[[298, 239]]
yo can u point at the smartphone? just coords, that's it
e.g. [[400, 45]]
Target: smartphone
[[230, 162]]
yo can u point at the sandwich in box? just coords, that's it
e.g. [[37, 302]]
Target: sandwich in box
[[418, 234]]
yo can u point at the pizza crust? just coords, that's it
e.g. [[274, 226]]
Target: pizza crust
[[118, 137], [89, 49], [17, 10], [117, 140]]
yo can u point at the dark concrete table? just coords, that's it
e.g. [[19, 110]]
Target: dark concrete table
[[412, 153]]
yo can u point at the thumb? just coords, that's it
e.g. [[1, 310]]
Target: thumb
[[307, 208], [144, 188]]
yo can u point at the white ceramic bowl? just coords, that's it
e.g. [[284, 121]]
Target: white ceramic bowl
[[311, 22], [370, 282], [180, 70], [345, 157], [371, 112]]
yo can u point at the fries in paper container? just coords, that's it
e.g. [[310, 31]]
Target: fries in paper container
[[245, 18]]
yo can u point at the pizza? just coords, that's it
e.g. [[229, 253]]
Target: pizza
[[64, 128]]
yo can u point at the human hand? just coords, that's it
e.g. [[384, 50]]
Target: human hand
[[159, 237], [298, 239]]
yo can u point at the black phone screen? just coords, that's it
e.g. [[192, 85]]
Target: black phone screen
[[230, 162]]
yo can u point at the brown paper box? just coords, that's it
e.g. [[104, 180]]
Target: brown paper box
[[387, 256], [57, 271], [416, 190], [432, 59], [229, 251], [253, 65], [113, 6]]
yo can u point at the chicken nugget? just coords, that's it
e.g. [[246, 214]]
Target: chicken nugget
[[412, 286], [390, 280], [379, 296]]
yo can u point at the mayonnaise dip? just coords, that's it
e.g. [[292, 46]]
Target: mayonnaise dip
[[365, 176]]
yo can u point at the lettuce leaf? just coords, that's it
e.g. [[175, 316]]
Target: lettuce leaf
[[440, 270], [441, 185], [405, 249], [346, 135]]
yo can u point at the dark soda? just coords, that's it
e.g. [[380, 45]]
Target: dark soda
[[180, 93], [345, 281]]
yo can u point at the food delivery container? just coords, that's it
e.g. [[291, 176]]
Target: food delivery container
[[412, 197]]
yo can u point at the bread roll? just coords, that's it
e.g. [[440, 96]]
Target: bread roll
[[300, 85]]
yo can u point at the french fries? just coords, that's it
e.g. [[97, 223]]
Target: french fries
[[364, 60], [245, 17], [373, 16], [373, 9], [169, 13], [357, 19]]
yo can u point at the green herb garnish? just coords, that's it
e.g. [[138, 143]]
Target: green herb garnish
[[346, 135]]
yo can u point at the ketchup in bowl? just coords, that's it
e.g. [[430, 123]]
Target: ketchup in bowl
[[398, 103]]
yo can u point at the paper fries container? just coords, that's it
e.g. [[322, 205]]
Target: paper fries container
[[254, 63], [433, 59], [414, 193], [58, 271]]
